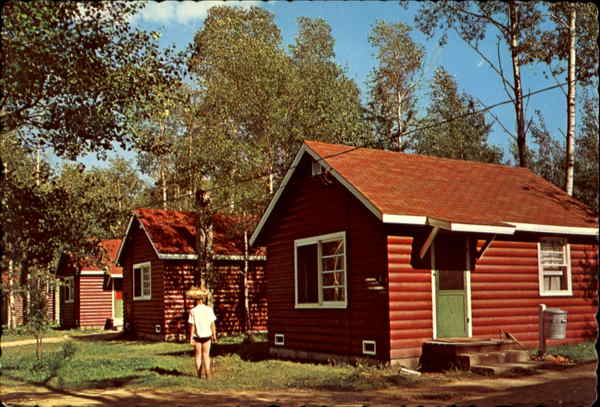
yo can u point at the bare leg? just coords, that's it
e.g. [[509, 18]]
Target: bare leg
[[198, 357], [206, 359]]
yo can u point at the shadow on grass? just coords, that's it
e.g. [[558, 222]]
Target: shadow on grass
[[251, 352], [166, 372], [104, 336]]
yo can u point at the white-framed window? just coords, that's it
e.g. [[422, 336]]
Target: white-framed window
[[554, 261], [320, 271], [142, 281], [369, 347], [279, 339], [69, 289]]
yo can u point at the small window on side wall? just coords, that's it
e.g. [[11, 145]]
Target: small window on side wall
[[554, 261], [142, 281], [69, 289]]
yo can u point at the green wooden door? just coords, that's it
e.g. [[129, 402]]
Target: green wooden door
[[451, 300]]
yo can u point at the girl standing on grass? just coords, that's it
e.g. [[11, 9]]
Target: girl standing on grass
[[202, 332]]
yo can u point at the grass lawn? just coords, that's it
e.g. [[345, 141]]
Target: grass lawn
[[578, 352], [86, 364]]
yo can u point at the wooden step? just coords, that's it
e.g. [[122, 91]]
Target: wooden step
[[483, 358], [492, 369]]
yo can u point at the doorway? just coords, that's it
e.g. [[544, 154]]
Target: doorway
[[452, 287]]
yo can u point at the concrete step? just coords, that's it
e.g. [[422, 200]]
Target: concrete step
[[492, 369], [508, 356]]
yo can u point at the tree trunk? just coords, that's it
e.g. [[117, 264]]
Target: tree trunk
[[245, 283], [11, 315], [163, 182], [570, 168], [518, 92], [399, 118]]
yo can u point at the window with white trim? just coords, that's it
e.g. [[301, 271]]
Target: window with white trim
[[320, 271], [554, 261], [141, 281], [69, 289]]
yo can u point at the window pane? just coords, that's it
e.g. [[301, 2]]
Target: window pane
[[552, 251], [451, 280], [334, 247], [554, 281], [146, 281], [333, 294], [137, 282], [333, 263], [308, 282], [333, 279]]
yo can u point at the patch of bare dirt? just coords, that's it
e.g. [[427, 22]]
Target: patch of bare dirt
[[570, 387]]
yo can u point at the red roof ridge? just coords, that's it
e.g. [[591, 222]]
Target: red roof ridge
[[411, 155]]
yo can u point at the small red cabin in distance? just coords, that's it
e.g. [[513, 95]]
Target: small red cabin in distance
[[91, 292], [372, 253], [158, 255]]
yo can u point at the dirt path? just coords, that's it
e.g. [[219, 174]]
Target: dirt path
[[56, 339], [571, 387]]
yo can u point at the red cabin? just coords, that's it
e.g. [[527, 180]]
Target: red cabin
[[91, 293], [372, 253], [158, 255]]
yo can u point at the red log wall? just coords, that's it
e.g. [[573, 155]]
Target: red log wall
[[95, 303], [311, 206], [505, 293], [142, 316]]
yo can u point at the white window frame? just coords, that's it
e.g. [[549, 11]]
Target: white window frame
[[365, 343], [143, 295], [279, 340], [69, 290], [567, 265], [319, 240]]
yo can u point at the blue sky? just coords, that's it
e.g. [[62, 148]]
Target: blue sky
[[351, 23]]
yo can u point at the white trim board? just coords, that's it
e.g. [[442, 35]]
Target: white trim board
[[567, 230], [91, 272]]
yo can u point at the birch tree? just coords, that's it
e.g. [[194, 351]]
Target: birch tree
[[569, 46], [393, 82], [516, 24]]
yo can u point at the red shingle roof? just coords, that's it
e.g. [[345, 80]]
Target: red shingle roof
[[110, 249], [173, 232], [453, 190]]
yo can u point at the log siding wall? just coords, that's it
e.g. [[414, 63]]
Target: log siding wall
[[312, 206], [505, 293], [168, 307], [95, 303], [410, 301], [142, 316]]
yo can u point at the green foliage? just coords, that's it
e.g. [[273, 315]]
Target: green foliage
[[547, 155], [585, 351], [587, 149], [464, 135], [104, 197], [257, 103], [516, 25], [391, 108], [72, 71], [552, 48]]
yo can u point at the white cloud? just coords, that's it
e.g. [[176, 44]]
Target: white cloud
[[183, 12]]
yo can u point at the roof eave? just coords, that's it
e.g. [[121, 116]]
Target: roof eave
[[563, 230]]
